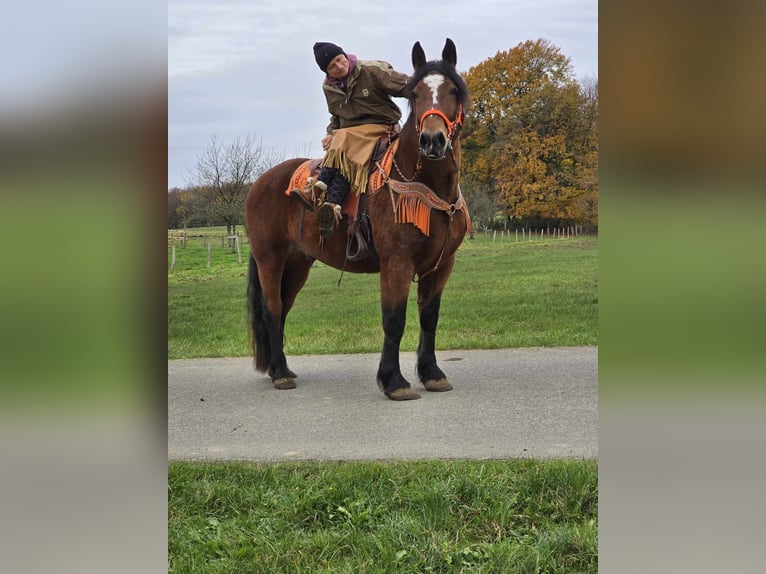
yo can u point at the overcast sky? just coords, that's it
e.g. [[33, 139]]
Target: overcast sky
[[239, 67]]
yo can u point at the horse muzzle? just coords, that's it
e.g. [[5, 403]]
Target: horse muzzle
[[433, 145]]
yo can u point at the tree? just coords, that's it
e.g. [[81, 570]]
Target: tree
[[224, 174], [530, 137], [482, 205], [175, 207]]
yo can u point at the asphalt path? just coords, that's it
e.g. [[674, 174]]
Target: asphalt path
[[507, 403]]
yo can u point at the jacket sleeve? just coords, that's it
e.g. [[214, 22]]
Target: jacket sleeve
[[389, 80], [334, 124]]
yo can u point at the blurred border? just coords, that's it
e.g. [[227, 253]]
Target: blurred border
[[83, 157], [681, 312], [82, 173]]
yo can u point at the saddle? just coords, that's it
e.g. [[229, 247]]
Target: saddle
[[359, 245]]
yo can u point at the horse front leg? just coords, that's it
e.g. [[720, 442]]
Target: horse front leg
[[429, 303], [394, 290]]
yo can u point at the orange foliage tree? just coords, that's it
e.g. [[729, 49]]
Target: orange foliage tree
[[531, 136]]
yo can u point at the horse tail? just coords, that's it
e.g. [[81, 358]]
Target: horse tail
[[258, 333]]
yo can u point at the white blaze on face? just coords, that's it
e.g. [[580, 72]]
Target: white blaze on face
[[434, 81]]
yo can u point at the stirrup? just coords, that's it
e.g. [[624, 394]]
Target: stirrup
[[328, 216]]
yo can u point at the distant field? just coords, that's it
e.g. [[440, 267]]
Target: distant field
[[502, 293]]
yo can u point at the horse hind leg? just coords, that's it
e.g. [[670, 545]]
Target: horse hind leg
[[267, 315], [294, 276]]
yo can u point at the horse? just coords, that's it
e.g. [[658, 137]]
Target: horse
[[285, 242]]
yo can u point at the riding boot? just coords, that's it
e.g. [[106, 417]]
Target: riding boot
[[311, 195], [329, 213]]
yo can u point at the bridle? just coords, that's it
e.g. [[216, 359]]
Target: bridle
[[452, 125]]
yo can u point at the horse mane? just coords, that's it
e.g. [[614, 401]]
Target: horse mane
[[444, 68]]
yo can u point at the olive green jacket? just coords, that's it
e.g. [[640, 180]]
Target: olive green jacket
[[367, 99]]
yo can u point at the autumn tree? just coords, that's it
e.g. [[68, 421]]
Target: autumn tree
[[530, 135], [224, 174], [587, 175], [175, 202]]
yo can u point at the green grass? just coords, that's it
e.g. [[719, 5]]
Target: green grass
[[521, 516], [501, 294], [505, 517]]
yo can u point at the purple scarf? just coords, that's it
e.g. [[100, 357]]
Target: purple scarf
[[342, 83]]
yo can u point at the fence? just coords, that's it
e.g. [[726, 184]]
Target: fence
[[199, 249], [526, 234], [182, 238]]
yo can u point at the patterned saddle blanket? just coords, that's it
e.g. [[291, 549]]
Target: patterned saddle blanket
[[376, 180]]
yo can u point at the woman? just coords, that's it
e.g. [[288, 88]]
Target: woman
[[358, 94]]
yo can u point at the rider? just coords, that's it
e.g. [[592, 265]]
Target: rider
[[358, 94]]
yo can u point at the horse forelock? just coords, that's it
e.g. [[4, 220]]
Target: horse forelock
[[448, 71]]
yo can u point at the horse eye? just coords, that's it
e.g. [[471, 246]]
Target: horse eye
[[455, 92]]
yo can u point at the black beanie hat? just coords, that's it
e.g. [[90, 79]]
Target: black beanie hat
[[325, 52]]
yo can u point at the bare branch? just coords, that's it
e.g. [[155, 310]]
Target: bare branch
[[224, 174]]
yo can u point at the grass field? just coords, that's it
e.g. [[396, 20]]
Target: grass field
[[503, 517], [501, 294], [511, 516]]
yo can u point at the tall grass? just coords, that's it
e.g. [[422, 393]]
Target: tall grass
[[501, 294]]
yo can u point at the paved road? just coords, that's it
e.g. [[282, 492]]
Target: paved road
[[538, 402]]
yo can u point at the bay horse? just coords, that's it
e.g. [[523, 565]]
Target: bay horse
[[285, 242]]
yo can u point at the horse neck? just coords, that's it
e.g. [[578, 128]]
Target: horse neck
[[441, 176]]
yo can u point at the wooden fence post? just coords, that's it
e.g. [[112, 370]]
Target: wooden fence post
[[173, 258], [239, 254], [209, 248]]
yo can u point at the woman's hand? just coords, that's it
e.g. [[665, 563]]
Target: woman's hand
[[326, 141]]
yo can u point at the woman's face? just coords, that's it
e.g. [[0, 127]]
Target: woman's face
[[338, 67]]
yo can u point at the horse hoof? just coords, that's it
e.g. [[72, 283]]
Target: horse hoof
[[284, 383], [289, 374], [437, 386], [402, 394]]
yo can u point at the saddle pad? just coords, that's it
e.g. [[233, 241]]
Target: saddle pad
[[301, 175], [309, 168]]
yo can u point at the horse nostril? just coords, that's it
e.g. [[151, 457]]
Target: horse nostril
[[433, 144]]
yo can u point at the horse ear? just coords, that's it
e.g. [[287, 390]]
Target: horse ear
[[449, 53], [418, 56]]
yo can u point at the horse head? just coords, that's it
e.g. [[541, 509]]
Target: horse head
[[438, 97]]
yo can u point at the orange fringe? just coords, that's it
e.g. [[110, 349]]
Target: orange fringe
[[412, 209], [378, 179]]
